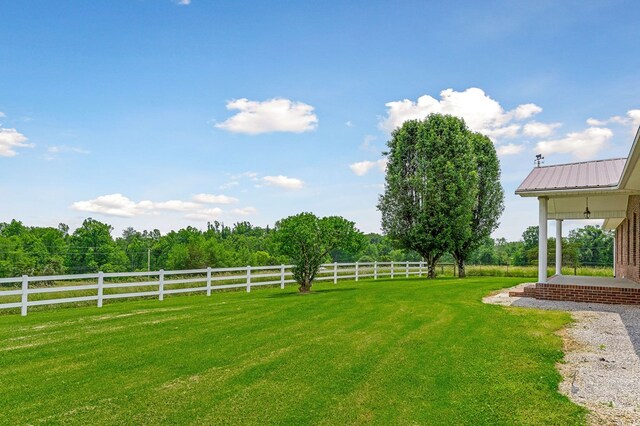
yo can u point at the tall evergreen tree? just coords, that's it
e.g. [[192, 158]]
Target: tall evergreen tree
[[430, 186], [489, 203]]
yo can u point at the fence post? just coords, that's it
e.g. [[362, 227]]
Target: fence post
[[100, 288], [420, 270], [248, 278], [335, 272], [375, 270], [282, 276], [392, 269], [356, 271], [208, 280], [161, 285], [406, 270], [25, 290]]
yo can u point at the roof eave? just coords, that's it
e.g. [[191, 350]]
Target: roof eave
[[567, 191], [632, 159]]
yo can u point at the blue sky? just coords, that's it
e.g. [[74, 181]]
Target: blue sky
[[156, 114]]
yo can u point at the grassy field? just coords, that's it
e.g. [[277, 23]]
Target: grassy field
[[384, 352], [531, 271]]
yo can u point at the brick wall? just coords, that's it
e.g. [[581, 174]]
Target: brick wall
[[628, 242], [581, 293]]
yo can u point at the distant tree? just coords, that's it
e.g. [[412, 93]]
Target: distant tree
[[90, 247], [308, 240], [430, 186], [489, 202], [594, 245], [530, 237]]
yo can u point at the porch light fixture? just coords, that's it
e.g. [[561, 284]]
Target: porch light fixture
[[587, 213]]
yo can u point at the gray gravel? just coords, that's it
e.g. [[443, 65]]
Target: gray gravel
[[602, 356]]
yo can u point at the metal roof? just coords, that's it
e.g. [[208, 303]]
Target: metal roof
[[585, 175]]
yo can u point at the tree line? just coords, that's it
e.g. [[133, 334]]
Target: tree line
[[92, 247], [586, 246]]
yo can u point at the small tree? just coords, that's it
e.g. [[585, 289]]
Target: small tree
[[489, 202], [430, 186], [308, 239]]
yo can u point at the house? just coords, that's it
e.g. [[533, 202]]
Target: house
[[601, 189]]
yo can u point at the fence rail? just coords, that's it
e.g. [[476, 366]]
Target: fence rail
[[102, 286]]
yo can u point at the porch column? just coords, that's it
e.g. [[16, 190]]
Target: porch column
[[558, 246], [615, 249], [542, 240]]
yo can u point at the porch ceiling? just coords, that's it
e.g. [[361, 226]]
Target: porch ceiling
[[612, 205]]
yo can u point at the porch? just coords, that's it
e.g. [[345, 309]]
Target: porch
[[617, 291]]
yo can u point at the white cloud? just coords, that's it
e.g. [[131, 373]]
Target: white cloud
[[274, 115], [10, 139], [113, 205], [176, 205], [214, 199], [632, 119], [283, 182], [582, 145], [229, 184], [509, 149], [595, 122], [205, 214], [245, 211], [2, 115], [525, 111], [535, 129], [348, 123], [183, 2], [247, 175], [363, 167], [480, 112], [634, 116], [120, 205], [54, 151], [367, 144]]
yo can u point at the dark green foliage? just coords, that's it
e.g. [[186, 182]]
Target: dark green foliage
[[595, 245], [308, 240], [489, 203], [92, 247], [51, 251], [430, 186], [586, 246]]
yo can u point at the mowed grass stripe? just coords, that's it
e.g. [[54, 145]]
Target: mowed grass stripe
[[404, 351]]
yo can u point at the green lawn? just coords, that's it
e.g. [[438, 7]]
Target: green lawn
[[385, 352]]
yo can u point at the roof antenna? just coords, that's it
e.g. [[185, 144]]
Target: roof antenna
[[539, 160]]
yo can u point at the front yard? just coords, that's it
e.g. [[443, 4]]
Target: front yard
[[385, 352]]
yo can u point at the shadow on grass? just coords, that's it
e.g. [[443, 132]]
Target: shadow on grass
[[297, 293]]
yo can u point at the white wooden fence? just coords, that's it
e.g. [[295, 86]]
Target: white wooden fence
[[101, 286]]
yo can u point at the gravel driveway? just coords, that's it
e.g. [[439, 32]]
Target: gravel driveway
[[602, 356]]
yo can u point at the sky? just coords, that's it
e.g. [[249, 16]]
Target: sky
[[172, 113]]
